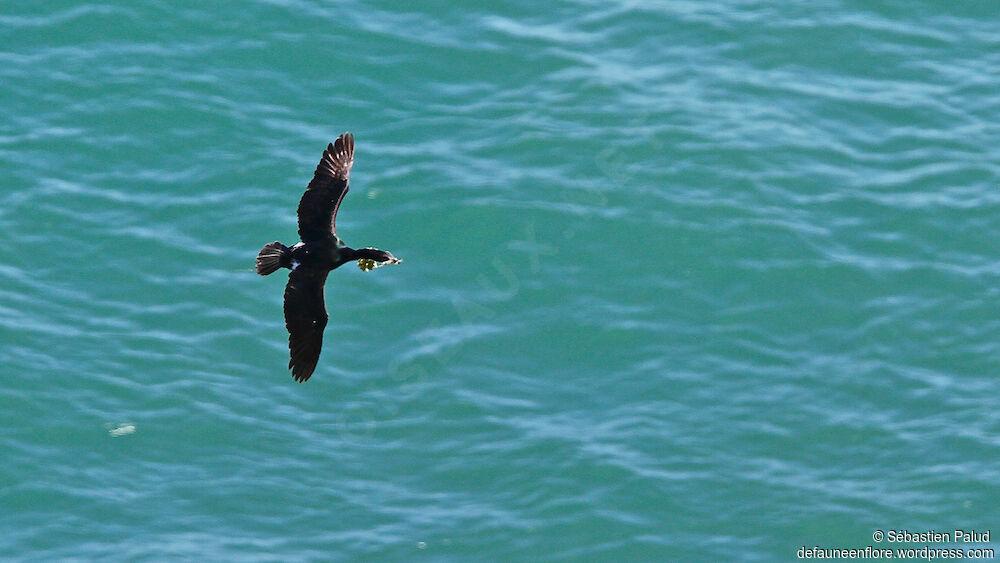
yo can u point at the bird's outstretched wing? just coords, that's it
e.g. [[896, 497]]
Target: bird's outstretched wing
[[319, 204], [305, 319]]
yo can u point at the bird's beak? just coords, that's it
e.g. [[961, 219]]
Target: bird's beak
[[367, 264]]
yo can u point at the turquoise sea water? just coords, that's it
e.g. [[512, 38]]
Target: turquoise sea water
[[682, 281]]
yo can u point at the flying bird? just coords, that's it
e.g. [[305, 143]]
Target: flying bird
[[319, 252]]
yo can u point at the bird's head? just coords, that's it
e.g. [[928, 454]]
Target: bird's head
[[371, 258]]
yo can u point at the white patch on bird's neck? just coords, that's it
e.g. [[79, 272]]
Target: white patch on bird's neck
[[295, 264]]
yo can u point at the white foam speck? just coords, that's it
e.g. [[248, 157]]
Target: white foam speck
[[119, 430]]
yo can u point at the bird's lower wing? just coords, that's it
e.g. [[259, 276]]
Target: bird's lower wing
[[305, 319]]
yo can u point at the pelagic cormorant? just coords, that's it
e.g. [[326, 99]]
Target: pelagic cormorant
[[320, 251]]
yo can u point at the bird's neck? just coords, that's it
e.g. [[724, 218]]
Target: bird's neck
[[361, 253]]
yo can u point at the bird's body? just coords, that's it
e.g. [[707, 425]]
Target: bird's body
[[311, 260]]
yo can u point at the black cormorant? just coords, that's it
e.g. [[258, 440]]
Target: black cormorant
[[320, 251]]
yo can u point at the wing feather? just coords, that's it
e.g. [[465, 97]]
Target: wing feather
[[305, 319], [321, 200]]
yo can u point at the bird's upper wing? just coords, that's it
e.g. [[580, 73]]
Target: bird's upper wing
[[305, 319], [318, 206]]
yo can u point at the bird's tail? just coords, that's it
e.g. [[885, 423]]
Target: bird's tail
[[269, 258]]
